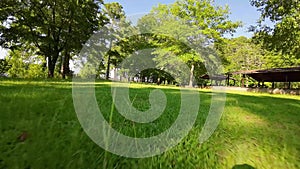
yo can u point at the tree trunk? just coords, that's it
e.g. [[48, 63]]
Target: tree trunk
[[51, 64], [65, 69], [51, 68], [191, 75], [108, 67], [44, 68]]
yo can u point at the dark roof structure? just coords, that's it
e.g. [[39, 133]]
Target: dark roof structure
[[274, 75], [215, 77]]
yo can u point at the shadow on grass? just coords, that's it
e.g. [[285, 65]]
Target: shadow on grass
[[285, 110], [243, 166]]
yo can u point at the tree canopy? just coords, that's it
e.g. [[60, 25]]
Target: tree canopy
[[284, 36], [56, 28], [198, 23]]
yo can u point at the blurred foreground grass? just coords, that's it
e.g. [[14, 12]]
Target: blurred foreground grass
[[39, 129]]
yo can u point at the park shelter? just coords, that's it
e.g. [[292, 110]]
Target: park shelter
[[218, 78], [286, 75]]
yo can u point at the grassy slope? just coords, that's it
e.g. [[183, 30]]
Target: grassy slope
[[257, 129]]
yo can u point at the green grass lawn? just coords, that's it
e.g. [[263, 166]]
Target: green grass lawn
[[40, 129]]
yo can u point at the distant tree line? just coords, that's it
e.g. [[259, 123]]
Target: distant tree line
[[43, 37]]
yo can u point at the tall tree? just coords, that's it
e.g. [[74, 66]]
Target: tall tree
[[195, 22], [104, 48], [55, 27], [284, 35], [115, 30]]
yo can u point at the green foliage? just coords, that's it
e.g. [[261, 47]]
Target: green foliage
[[284, 37], [4, 66], [18, 66], [55, 28], [104, 49], [117, 29], [187, 31], [35, 71], [88, 70], [195, 25], [275, 60], [25, 65], [156, 76], [242, 54]]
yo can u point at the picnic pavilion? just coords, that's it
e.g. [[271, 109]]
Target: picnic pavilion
[[286, 75]]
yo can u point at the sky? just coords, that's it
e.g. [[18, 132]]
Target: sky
[[241, 10]]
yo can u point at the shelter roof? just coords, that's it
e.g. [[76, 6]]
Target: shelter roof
[[274, 75], [215, 77]]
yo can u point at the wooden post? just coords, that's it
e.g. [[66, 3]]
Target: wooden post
[[228, 80], [286, 81], [243, 81], [273, 85]]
